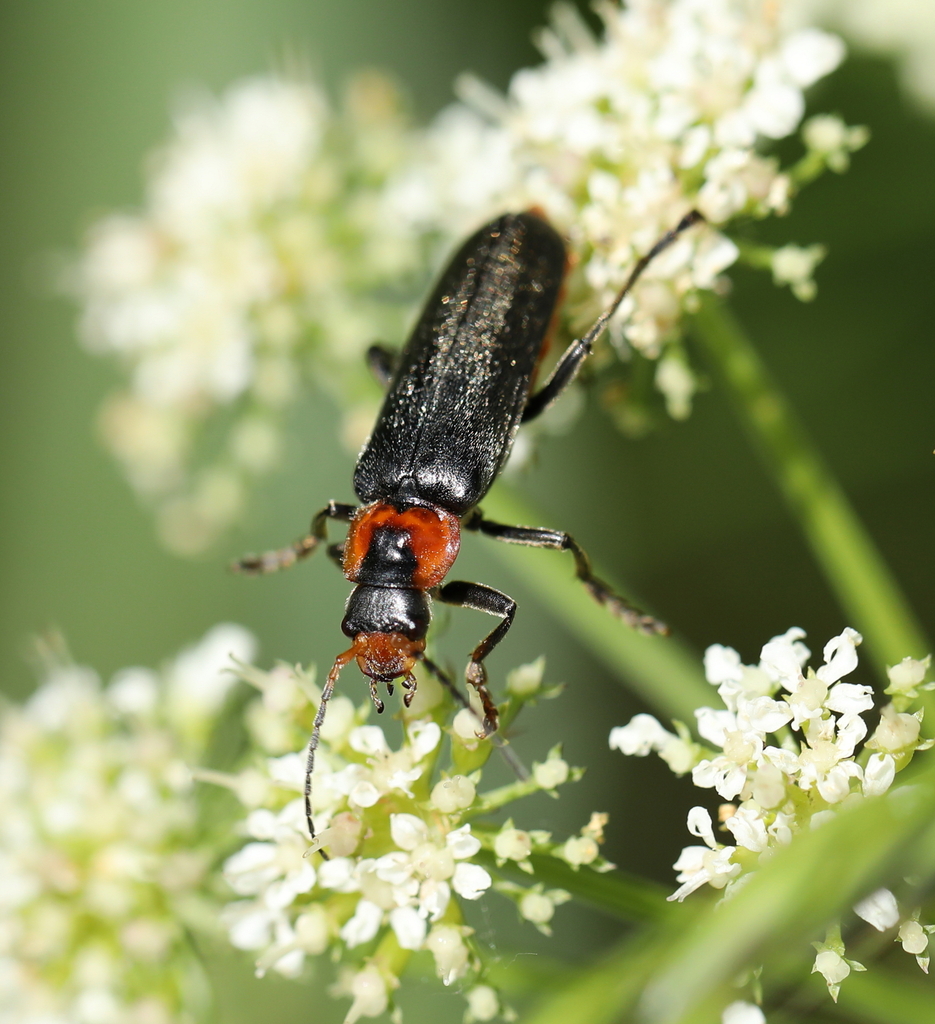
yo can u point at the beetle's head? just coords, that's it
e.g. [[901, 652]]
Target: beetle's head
[[386, 656]]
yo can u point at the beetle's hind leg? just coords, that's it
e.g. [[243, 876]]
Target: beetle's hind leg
[[559, 541], [482, 599], [284, 558]]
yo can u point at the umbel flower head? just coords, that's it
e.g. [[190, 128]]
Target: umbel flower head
[[102, 858], [785, 751], [405, 850], [281, 236]]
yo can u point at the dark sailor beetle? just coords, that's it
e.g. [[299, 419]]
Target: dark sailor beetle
[[456, 396]]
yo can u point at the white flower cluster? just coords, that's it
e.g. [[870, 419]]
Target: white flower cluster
[[615, 139], [101, 850], [786, 744], [280, 238], [260, 244], [402, 849], [904, 28]]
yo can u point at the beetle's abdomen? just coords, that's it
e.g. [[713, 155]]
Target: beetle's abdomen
[[464, 377]]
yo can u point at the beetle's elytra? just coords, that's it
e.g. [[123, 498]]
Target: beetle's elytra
[[456, 396]]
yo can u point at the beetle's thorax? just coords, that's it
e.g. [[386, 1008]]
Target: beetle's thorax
[[412, 547]]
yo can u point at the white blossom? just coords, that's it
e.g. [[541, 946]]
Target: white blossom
[[281, 233], [785, 749], [742, 1013], [879, 909], [101, 847], [402, 854]]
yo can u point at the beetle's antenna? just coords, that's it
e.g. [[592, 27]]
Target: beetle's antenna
[[691, 218], [327, 691]]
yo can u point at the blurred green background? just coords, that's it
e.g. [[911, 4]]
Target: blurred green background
[[686, 517]]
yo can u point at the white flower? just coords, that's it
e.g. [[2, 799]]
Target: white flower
[[742, 1013], [879, 774], [483, 1003], [409, 926], [879, 909], [749, 829], [446, 944], [794, 266], [364, 925], [700, 865], [102, 840], [278, 235], [470, 881], [642, 735], [369, 992]]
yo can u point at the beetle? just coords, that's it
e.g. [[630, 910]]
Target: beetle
[[457, 394]]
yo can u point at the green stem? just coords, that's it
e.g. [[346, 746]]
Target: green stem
[[853, 566], [619, 895], [664, 671], [503, 795]]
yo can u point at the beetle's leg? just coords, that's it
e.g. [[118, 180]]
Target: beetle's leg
[[559, 541], [570, 363], [482, 599], [283, 558], [336, 554], [502, 744], [382, 362]]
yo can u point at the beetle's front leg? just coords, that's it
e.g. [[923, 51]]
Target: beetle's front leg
[[482, 599]]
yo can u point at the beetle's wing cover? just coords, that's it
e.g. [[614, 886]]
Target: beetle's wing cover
[[455, 403]]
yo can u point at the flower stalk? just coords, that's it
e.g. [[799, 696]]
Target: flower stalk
[[851, 562]]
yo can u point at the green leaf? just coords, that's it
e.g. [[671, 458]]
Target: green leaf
[[682, 971], [615, 893]]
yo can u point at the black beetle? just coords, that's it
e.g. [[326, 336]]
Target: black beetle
[[457, 394]]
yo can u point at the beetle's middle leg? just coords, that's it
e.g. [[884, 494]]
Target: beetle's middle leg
[[482, 599], [559, 541], [283, 558]]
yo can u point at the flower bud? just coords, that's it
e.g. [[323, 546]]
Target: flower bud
[[896, 731], [466, 726], [433, 862], [913, 937], [551, 774], [311, 929], [451, 954], [345, 834], [525, 681], [512, 844], [454, 794], [580, 850], [483, 1003], [536, 907], [831, 966], [908, 674], [368, 990]]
